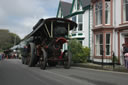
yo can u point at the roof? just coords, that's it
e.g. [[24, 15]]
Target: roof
[[46, 24], [66, 7], [85, 3]]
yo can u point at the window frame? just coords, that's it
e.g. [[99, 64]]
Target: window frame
[[80, 22], [124, 11], [98, 45], [108, 44], [109, 15], [77, 21], [98, 11]]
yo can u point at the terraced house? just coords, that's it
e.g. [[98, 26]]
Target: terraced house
[[102, 26], [110, 28], [80, 11]]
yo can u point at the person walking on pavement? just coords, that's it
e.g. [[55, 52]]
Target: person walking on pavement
[[125, 52]]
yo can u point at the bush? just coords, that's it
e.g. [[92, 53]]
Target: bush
[[79, 53]]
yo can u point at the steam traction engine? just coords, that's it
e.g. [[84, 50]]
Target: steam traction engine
[[47, 39]]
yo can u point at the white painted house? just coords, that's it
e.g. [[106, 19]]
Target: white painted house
[[80, 11], [102, 26]]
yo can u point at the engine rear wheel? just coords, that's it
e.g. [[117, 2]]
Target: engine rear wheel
[[32, 55]]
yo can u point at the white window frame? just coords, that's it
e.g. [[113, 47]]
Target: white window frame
[[97, 44], [77, 21], [81, 22], [124, 11], [97, 13], [108, 44], [108, 10]]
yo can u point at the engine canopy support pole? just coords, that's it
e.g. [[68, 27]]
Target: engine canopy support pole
[[47, 30], [52, 29], [68, 29]]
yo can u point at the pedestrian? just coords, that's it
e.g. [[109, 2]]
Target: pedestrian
[[125, 53], [0, 57]]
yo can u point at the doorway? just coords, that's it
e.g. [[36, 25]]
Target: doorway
[[126, 40]]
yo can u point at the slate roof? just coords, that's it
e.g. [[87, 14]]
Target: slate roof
[[85, 3], [66, 7]]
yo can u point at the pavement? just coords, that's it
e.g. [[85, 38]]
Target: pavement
[[12, 72], [116, 68]]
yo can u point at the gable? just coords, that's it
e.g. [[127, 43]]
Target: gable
[[85, 3], [76, 6], [63, 9], [59, 12]]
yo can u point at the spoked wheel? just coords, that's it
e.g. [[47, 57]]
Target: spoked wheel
[[43, 59], [67, 59], [31, 58], [28, 57]]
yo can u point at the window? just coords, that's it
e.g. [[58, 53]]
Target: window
[[108, 46], [99, 44], [125, 10], [74, 19], [107, 11], [80, 21], [98, 13]]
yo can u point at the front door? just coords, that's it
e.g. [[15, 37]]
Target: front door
[[126, 40]]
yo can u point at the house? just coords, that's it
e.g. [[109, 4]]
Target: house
[[102, 26], [110, 29], [80, 11]]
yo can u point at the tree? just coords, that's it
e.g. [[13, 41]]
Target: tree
[[8, 39], [79, 53]]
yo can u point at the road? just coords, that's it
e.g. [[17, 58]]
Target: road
[[12, 72]]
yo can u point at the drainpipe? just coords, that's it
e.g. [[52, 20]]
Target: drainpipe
[[89, 27], [114, 33], [89, 33]]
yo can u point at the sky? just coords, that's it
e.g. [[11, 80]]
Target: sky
[[19, 16]]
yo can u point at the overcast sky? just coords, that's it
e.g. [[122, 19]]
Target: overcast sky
[[19, 16]]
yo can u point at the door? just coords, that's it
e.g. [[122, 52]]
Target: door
[[126, 40]]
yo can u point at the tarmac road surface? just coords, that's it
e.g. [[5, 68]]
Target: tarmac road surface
[[12, 72]]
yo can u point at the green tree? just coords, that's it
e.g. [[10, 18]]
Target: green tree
[[79, 53], [8, 39]]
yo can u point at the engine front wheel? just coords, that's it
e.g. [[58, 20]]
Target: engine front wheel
[[67, 59], [43, 59]]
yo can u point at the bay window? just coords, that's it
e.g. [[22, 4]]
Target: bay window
[[125, 10], [99, 44], [78, 19], [98, 13], [108, 45]]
